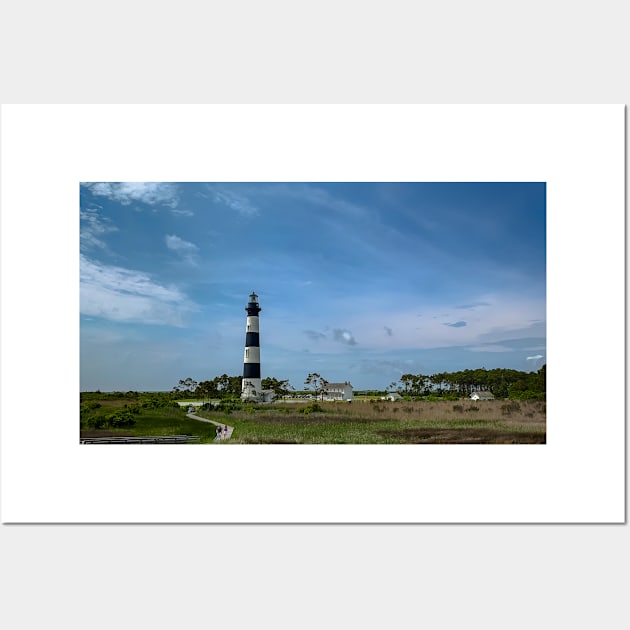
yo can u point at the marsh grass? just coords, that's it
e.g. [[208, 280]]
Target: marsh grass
[[407, 422]]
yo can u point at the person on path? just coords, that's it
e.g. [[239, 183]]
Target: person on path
[[219, 432]]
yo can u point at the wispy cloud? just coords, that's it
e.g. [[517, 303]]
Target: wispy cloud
[[490, 348], [150, 193], [388, 331], [473, 305], [500, 333], [235, 201], [386, 366], [320, 197], [344, 336], [314, 335], [184, 249], [93, 228], [459, 324], [126, 295]]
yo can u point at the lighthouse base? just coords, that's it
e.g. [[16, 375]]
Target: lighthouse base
[[252, 390]]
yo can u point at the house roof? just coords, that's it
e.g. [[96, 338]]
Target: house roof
[[346, 384]]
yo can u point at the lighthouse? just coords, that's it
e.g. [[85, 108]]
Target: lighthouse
[[252, 385]]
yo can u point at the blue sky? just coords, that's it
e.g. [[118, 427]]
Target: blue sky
[[361, 282]]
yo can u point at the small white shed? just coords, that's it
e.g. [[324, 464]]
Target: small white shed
[[392, 396], [482, 396]]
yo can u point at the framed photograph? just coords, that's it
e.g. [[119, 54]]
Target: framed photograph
[[313, 314]]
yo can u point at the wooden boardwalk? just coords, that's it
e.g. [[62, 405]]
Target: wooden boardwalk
[[225, 427], [147, 439]]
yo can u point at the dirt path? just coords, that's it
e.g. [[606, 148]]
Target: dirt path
[[226, 431]]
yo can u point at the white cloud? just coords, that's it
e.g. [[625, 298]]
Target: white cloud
[[126, 295], [535, 357], [344, 336], [150, 193], [186, 250], [93, 227], [237, 202]]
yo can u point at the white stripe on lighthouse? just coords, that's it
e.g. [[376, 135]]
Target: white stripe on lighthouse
[[252, 324], [252, 355]]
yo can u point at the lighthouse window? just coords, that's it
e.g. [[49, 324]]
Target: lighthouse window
[[247, 353], [249, 327]]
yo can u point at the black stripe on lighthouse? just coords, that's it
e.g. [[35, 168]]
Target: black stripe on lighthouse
[[251, 370], [252, 339]]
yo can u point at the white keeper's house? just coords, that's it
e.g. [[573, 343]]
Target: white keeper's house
[[339, 391]]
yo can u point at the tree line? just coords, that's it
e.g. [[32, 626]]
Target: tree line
[[501, 382]]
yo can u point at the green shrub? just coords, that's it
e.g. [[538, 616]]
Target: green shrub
[[121, 418], [90, 406], [228, 406], [527, 395], [312, 408], [95, 422]]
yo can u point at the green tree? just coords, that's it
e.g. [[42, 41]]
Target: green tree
[[280, 388], [318, 383], [407, 381], [185, 387], [207, 390], [235, 384]]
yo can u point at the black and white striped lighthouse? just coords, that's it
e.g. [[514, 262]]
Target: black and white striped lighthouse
[[252, 385]]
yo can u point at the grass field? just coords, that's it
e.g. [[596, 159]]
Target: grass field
[[442, 422]]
